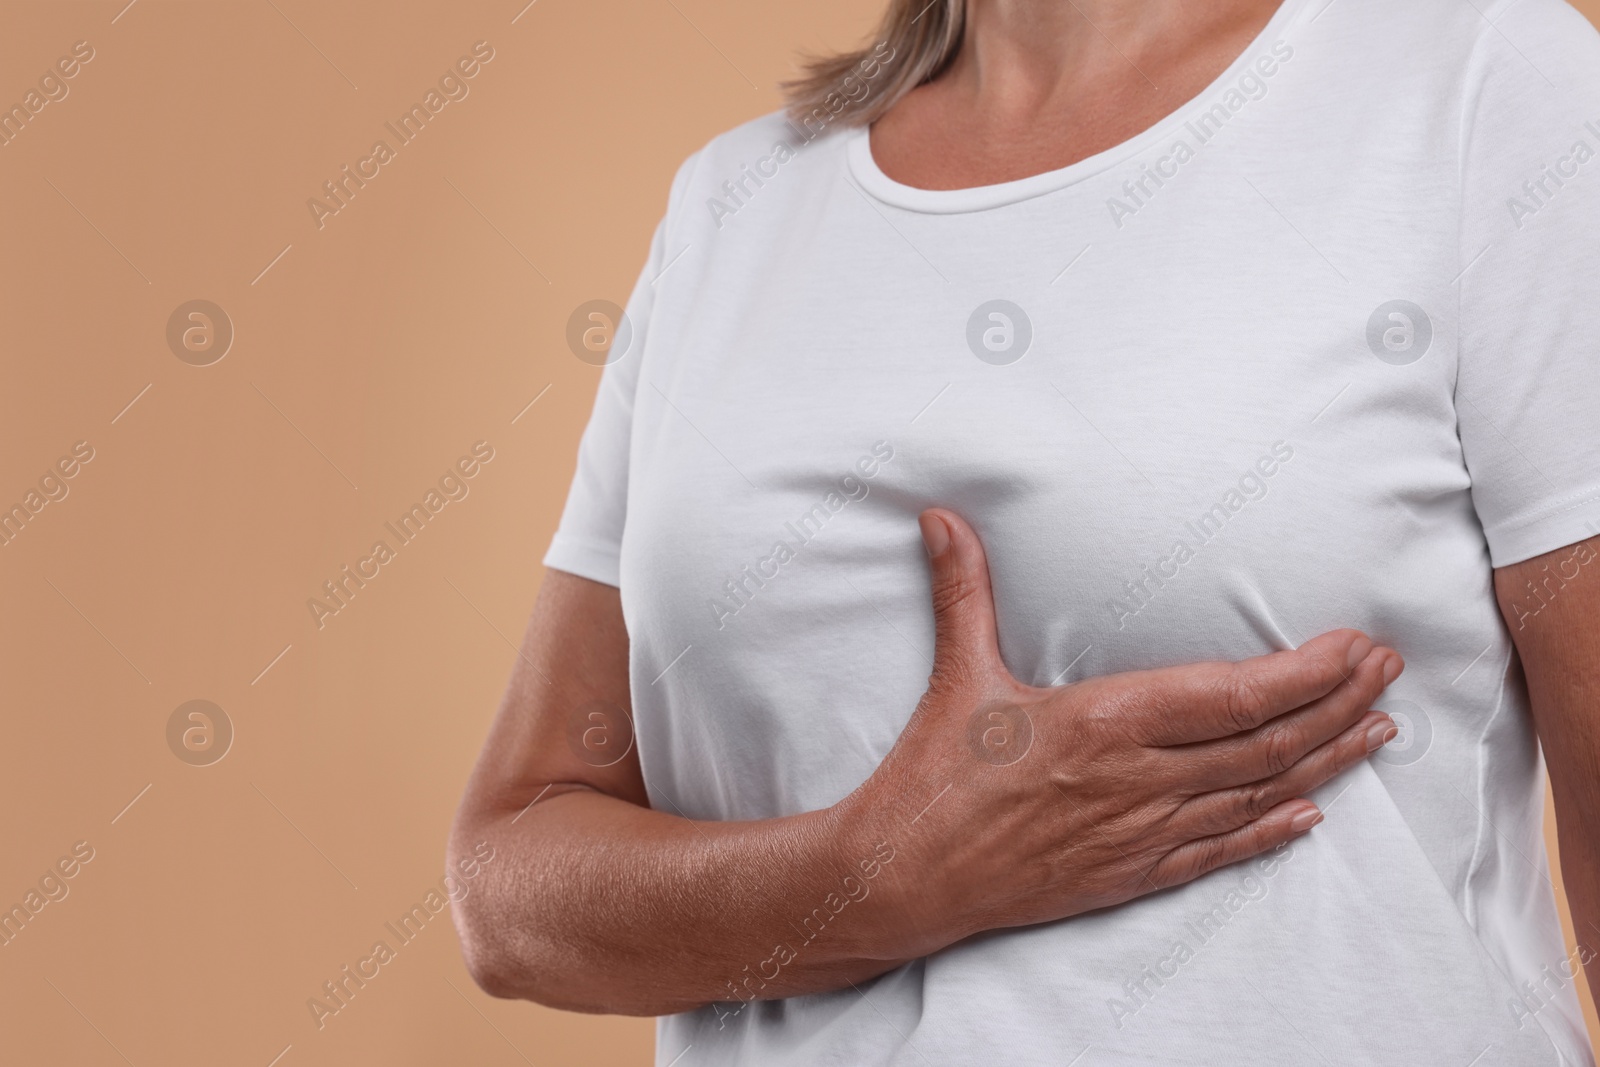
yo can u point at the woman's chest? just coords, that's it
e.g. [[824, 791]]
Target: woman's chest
[[1148, 483]]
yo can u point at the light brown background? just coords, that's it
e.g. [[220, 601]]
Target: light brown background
[[422, 318]]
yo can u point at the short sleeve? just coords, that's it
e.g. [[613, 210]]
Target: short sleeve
[[1528, 385], [588, 541]]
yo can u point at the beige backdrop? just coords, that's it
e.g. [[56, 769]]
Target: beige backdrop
[[209, 499]]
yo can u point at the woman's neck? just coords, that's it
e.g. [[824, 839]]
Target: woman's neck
[[1041, 84]]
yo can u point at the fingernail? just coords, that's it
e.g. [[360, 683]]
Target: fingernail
[[935, 535], [1358, 652], [1305, 820], [1392, 668], [1380, 734]]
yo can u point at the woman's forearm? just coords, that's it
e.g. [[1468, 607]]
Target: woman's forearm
[[597, 904]]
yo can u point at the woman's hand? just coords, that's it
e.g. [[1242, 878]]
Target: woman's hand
[[1035, 804]]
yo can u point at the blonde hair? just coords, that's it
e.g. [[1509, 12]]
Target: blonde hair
[[916, 40]]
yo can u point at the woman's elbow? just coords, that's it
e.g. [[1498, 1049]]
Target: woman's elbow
[[509, 962], [513, 967], [489, 956]]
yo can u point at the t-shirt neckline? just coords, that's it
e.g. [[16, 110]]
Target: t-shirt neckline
[[864, 169]]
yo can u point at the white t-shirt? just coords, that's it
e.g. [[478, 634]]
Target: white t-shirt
[[1318, 350]]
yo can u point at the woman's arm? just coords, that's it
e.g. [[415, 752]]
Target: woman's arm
[[1552, 605], [1132, 783], [594, 902]]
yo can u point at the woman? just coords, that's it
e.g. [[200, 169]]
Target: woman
[[1183, 333]]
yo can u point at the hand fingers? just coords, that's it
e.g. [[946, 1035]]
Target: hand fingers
[[1203, 701], [1228, 809], [1282, 742], [1189, 861], [965, 643]]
